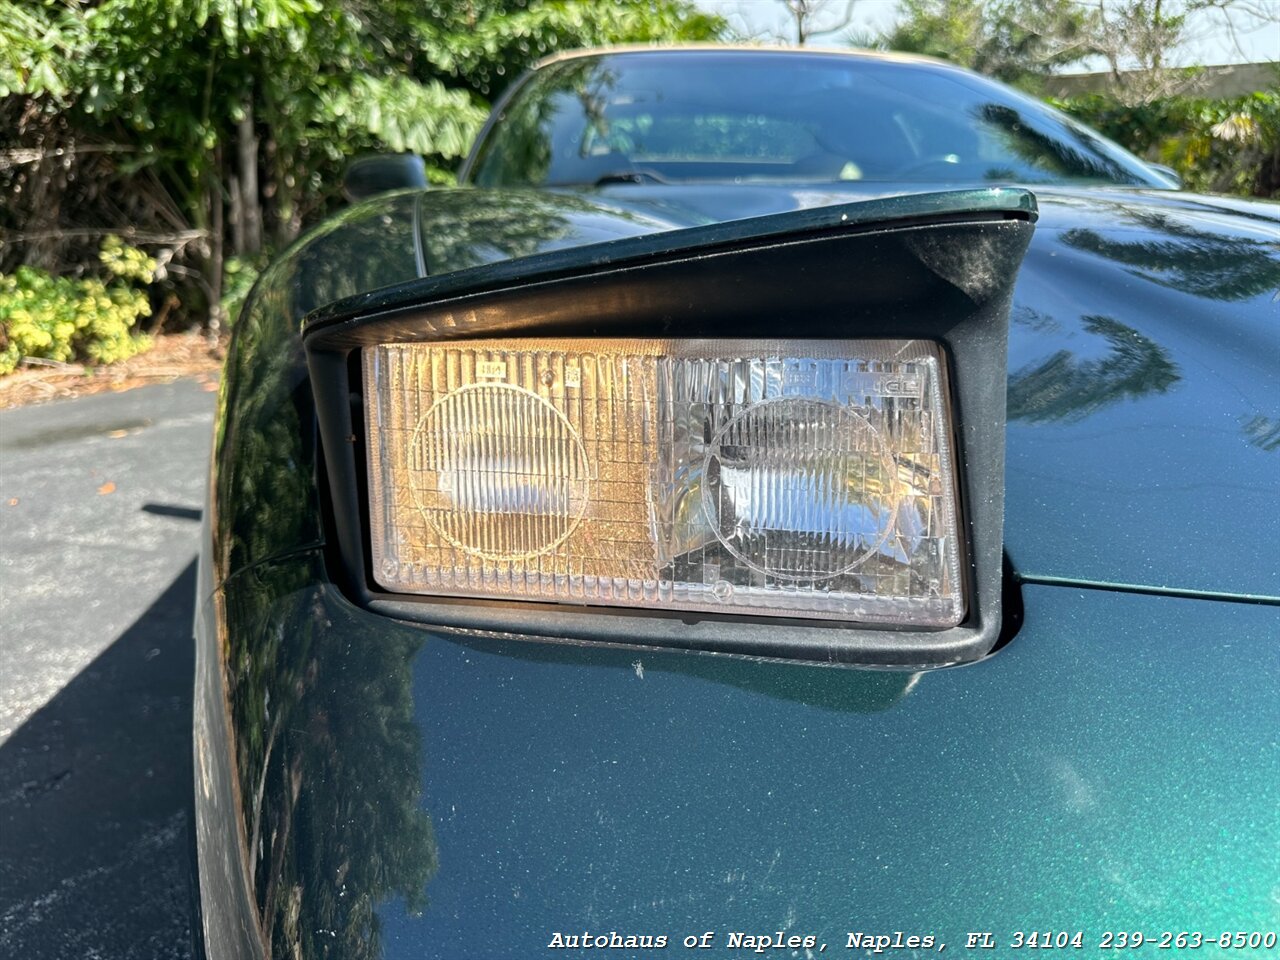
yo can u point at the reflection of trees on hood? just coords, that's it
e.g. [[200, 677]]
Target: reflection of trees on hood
[[1213, 265], [328, 757], [330, 763], [357, 253], [265, 500], [1262, 432], [473, 227], [1064, 387], [362, 834], [1033, 319]]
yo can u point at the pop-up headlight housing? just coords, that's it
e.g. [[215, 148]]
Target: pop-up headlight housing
[[780, 437]]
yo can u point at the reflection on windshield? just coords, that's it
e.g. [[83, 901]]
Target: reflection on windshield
[[738, 116], [1067, 156]]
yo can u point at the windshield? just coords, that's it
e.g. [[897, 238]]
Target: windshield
[[742, 116]]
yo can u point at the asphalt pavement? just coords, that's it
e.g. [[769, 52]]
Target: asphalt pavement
[[100, 502]]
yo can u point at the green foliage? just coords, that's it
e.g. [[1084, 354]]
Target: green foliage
[[39, 47], [62, 319], [1222, 146], [343, 75], [239, 274], [126, 263], [1013, 40], [197, 102], [947, 29], [403, 115], [485, 45]]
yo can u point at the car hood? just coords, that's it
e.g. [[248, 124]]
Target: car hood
[[411, 795], [1144, 369], [467, 227]]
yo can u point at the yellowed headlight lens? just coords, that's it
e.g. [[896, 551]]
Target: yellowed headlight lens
[[786, 478]]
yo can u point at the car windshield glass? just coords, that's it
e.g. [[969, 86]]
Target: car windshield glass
[[763, 116]]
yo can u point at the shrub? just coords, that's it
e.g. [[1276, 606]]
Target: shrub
[[1219, 146], [238, 278], [63, 319]]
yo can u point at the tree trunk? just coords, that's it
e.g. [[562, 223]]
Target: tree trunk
[[250, 205], [213, 262], [281, 190], [237, 216], [1157, 33]]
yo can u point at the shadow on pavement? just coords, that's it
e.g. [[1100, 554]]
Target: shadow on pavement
[[168, 510], [95, 791]]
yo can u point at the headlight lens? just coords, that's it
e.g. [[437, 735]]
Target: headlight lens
[[786, 478]]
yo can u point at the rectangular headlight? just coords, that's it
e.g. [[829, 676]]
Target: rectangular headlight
[[792, 478]]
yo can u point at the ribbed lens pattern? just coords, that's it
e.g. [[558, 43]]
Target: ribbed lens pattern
[[797, 488], [788, 478], [499, 472]]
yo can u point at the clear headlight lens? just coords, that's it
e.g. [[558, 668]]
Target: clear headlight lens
[[786, 478]]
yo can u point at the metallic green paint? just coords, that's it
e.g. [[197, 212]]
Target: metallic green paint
[[1115, 768]]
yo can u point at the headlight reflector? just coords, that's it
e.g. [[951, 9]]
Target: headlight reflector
[[788, 478]]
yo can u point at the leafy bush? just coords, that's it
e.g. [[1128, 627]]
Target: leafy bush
[[63, 319], [1217, 146], [238, 277]]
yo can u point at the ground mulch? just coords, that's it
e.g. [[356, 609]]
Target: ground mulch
[[174, 356]]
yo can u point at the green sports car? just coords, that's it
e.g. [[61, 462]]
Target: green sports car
[[780, 503]]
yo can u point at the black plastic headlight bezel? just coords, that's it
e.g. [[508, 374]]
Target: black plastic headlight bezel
[[938, 267]]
